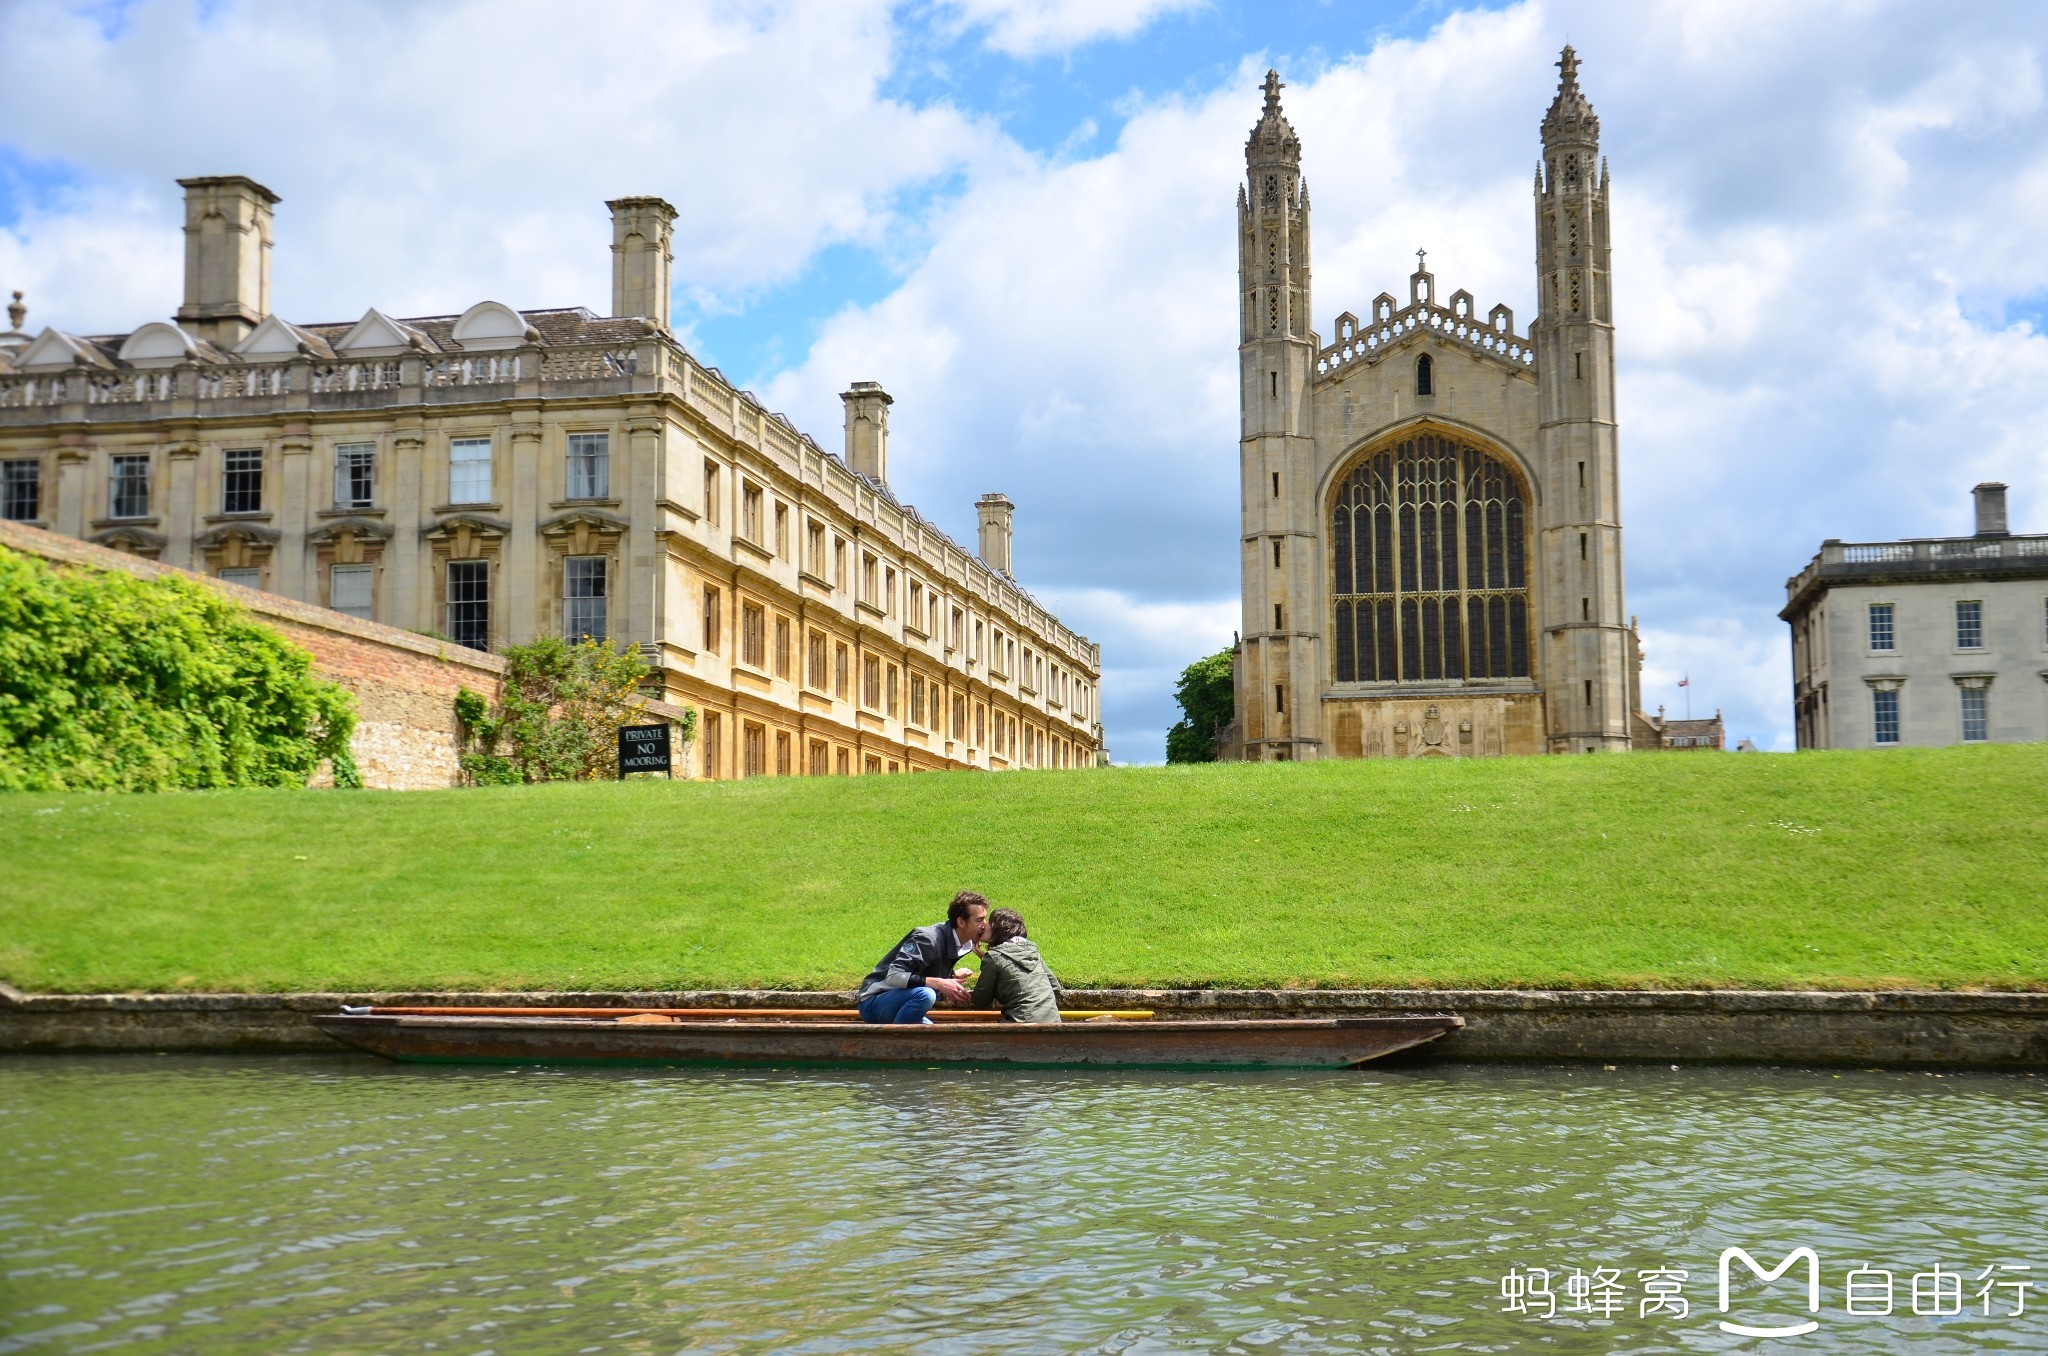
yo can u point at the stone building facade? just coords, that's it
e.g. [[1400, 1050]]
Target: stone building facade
[[1926, 642], [1432, 554], [504, 474]]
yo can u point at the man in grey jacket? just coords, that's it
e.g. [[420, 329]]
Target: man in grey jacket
[[918, 971]]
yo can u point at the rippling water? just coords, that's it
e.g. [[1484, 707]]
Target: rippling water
[[198, 1205]]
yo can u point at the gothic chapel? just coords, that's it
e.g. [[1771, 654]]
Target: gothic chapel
[[1432, 531]]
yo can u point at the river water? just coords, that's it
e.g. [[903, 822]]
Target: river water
[[179, 1204]]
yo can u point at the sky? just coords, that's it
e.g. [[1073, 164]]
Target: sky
[[1829, 281]]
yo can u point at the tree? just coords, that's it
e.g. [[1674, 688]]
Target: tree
[[109, 682], [559, 714], [1208, 700]]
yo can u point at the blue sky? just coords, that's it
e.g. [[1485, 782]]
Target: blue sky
[[1016, 214]]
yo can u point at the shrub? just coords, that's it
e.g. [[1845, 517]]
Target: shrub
[[109, 682], [559, 716]]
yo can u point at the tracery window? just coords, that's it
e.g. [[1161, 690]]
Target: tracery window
[[1429, 552]]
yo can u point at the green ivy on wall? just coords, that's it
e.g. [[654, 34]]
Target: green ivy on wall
[[109, 682]]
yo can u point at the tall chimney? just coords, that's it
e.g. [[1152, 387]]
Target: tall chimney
[[641, 231], [1990, 509], [227, 257], [995, 511], [867, 429]]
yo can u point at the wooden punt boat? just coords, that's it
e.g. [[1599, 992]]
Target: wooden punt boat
[[808, 1037]]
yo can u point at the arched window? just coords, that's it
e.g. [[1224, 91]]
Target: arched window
[[1422, 375], [1429, 552]]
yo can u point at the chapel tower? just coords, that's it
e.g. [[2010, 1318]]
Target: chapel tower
[[1586, 642], [1277, 366]]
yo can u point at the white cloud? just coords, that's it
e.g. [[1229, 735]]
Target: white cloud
[[432, 156], [1029, 28]]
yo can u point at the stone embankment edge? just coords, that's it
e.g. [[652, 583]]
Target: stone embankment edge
[[1891, 1029]]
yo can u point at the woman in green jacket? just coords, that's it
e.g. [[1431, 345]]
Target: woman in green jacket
[[1014, 978]]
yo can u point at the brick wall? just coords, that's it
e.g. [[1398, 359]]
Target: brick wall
[[405, 684]]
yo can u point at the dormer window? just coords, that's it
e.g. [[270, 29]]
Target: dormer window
[[1424, 378]]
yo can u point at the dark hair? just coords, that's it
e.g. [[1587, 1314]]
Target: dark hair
[[1005, 925], [962, 904]]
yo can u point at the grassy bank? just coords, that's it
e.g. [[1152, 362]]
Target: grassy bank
[[1924, 868]]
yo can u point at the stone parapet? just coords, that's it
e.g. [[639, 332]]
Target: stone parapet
[[1893, 1029]]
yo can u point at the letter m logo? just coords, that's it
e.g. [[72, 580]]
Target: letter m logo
[[1812, 1290]]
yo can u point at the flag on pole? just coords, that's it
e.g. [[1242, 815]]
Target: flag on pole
[[1685, 681]]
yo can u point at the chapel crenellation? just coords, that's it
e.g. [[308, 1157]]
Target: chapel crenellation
[[503, 474]]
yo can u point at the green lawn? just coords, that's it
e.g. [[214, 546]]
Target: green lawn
[[1920, 868]]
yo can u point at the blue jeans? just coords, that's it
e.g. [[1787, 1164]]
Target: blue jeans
[[898, 1006]]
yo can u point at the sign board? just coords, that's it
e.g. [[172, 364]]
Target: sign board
[[643, 748]]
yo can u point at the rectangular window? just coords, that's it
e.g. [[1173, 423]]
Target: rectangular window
[[128, 488], [839, 671], [933, 723], [916, 699], [247, 576], [714, 745], [753, 635], [1882, 637], [1280, 698], [889, 592], [1969, 626], [871, 682], [21, 491], [355, 475], [1884, 705], [916, 615], [590, 465], [959, 716], [1276, 553], [895, 686], [241, 481], [821, 754], [980, 726], [713, 623], [469, 603], [782, 753], [750, 514], [349, 589], [469, 471], [1976, 714], [782, 532], [974, 650], [782, 647], [842, 763], [711, 492], [838, 563], [953, 634], [870, 580], [753, 750], [814, 548], [584, 590], [814, 662], [1279, 617]]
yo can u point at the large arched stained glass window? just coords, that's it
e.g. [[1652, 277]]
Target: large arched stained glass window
[[1429, 549]]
